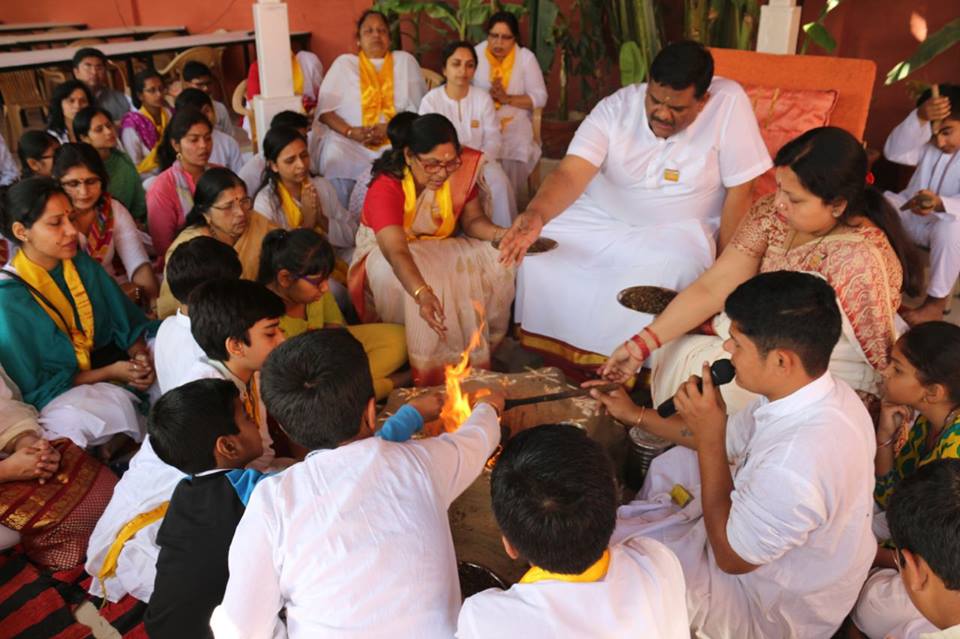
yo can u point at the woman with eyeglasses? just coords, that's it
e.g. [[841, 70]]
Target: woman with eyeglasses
[[67, 100], [94, 126], [513, 77], [105, 227], [472, 112], [183, 155], [221, 210], [358, 97], [70, 339], [141, 131], [423, 256]]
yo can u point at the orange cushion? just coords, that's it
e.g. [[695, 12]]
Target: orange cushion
[[783, 114]]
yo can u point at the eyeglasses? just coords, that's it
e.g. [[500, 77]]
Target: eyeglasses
[[72, 185], [244, 204], [434, 167], [316, 281]]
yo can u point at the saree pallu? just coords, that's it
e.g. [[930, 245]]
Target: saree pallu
[[55, 519], [462, 271]]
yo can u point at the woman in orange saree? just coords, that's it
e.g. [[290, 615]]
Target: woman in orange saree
[[424, 257]]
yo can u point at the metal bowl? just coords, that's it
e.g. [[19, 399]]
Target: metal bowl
[[540, 245], [646, 299]]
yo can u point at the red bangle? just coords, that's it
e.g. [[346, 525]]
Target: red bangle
[[656, 340], [641, 344]]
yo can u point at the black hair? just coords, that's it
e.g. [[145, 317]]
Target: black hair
[[420, 134], [300, 251], [228, 309], [84, 118], [274, 142], [185, 424], [683, 64], [924, 517], [371, 12], [790, 310], [200, 260], [555, 498], [25, 202], [34, 145], [195, 69], [87, 52], [317, 386], [211, 184], [290, 119], [951, 91], [191, 98], [506, 18], [56, 120], [140, 83], [831, 163], [178, 127], [452, 48], [81, 154], [933, 348]]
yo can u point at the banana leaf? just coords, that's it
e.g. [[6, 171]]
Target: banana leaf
[[633, 65], [819, 35], [930, 48]]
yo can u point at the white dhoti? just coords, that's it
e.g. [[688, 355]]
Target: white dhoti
[[941, 234], [90, 414]]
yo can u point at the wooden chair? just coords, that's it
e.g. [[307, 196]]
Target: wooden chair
[[431, 78], [207, 55], [20, 92], [117, 77], [239, 104], [49, 78], [159, 60]]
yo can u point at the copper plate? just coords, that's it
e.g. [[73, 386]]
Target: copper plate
[[646, 299], [540, 245]]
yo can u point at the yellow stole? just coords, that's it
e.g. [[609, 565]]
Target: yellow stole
[[376, 90], [80, 336], [291, 211], [443, 214], [131, 528], [501, 69], [596, 572], [297, 75], [149, 163]]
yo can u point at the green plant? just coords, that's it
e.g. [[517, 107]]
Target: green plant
[[583, 55], [543, 16], [731, 24], [930, 48], [817, 33], [635, 31]]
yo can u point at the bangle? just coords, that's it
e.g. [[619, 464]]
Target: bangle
[[656, 340], [421, 289], [640, 343], [887, 443], [643, 411], [348, 132]]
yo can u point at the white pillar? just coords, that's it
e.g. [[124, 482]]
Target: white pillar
[[779, 27], [273, 63]]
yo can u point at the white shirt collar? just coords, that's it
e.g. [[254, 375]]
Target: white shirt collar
[[795, 402], [183, 320]]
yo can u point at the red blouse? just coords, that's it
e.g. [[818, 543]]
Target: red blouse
[[383, 205]]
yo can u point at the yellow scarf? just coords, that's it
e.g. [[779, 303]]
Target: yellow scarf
[[149, 163], [376, 90], [80, 336], [501, 69], [445, 218], [297, 76], [596, 572], [131, 528]]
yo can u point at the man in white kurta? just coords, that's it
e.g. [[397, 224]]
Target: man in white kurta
[[342, 159], [937, 176], [634, 202], [519, 152], [475, 119], [355, 541]]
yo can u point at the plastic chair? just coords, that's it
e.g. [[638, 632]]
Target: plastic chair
[[207, 55], [239, 104], [431, 78], [20, 92]]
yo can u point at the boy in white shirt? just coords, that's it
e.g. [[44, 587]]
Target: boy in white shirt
[[929, 139], [355, 541], [555, 499], [771, 517], [197, 75], [200, 260], [226, 151]]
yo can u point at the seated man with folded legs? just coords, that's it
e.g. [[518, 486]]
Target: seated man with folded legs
[[771, 516]]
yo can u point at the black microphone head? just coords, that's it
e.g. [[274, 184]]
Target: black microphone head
[[722, 372]]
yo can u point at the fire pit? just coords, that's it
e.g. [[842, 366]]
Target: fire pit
[[475, 533]]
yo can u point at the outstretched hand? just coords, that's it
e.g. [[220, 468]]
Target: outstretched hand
[[519, 237], [620, 366]]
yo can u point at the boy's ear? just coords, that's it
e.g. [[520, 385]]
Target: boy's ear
[[226, 448], [285, 278], [508, 548], [235, 347], [370, 417], [914, 571]]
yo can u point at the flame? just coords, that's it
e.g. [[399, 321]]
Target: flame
[[456, 406]]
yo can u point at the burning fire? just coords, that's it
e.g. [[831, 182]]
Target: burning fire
[[456, 406]]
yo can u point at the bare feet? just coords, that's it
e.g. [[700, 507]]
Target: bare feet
[[930, 311]]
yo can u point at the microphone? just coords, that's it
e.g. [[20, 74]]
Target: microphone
[[721, 372]]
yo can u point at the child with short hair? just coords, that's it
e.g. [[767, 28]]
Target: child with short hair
[[555, 500], [924, 517], [929, 139], [203, 430], [197, 75], [194, 262], [923, 378], [355, 541], [296, 265]]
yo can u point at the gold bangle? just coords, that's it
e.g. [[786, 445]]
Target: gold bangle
[[420, 289], [643, 411], [348, 132]]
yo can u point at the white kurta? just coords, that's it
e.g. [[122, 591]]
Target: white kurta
[[9, 171], [909, 143], [226, 151], [340, 157], [475, 119], [801, 511], [175, 352], [885, 610], [642, 595], [648, 217], [126, 242], [343, 226], [355, 541], [252, 173]]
